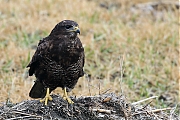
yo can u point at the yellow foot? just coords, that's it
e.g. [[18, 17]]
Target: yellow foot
[[46, 98], [65, 97]]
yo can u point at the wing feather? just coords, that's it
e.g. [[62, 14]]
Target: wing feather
[[41, 50]]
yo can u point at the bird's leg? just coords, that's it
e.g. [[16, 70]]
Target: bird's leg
[[47, 97], [65, 97]]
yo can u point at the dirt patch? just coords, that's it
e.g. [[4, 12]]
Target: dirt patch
[[102, 107]]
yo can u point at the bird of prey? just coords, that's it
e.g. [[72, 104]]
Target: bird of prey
[[57, 62]]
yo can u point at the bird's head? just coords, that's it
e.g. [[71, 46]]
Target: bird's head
[[66, 27]]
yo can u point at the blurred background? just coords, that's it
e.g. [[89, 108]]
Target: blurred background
[[131, 46]]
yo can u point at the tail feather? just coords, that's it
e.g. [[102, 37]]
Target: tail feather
[[38, 90]]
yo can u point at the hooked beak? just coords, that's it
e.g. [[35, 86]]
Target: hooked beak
[[76, 29]]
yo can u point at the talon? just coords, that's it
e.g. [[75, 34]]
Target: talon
[[46, 98], [65, 97]]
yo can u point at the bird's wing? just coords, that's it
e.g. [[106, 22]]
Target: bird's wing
[[41, 50]]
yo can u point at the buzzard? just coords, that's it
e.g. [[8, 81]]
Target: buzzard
[[57, 62]]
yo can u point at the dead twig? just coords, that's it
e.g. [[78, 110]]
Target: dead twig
[[99, 85], [172, 112], [141, 112], [122, 72], [14, 107], [103, 111], [22, 117], [87, 78], [18, 112], [147, 104], [134, 103], [105, 91], [159, 110], [152, 111]]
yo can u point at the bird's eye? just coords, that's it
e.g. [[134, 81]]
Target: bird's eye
[[68, 26]]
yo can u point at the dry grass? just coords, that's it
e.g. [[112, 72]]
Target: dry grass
[[148, 41]]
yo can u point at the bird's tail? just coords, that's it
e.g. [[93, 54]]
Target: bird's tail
[[38, 90]]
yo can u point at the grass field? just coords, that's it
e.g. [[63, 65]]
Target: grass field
[[145, 40]]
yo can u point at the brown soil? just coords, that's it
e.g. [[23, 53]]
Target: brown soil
[[102, 107]]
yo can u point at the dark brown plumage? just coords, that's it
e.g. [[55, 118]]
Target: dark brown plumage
[[58, 60]]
